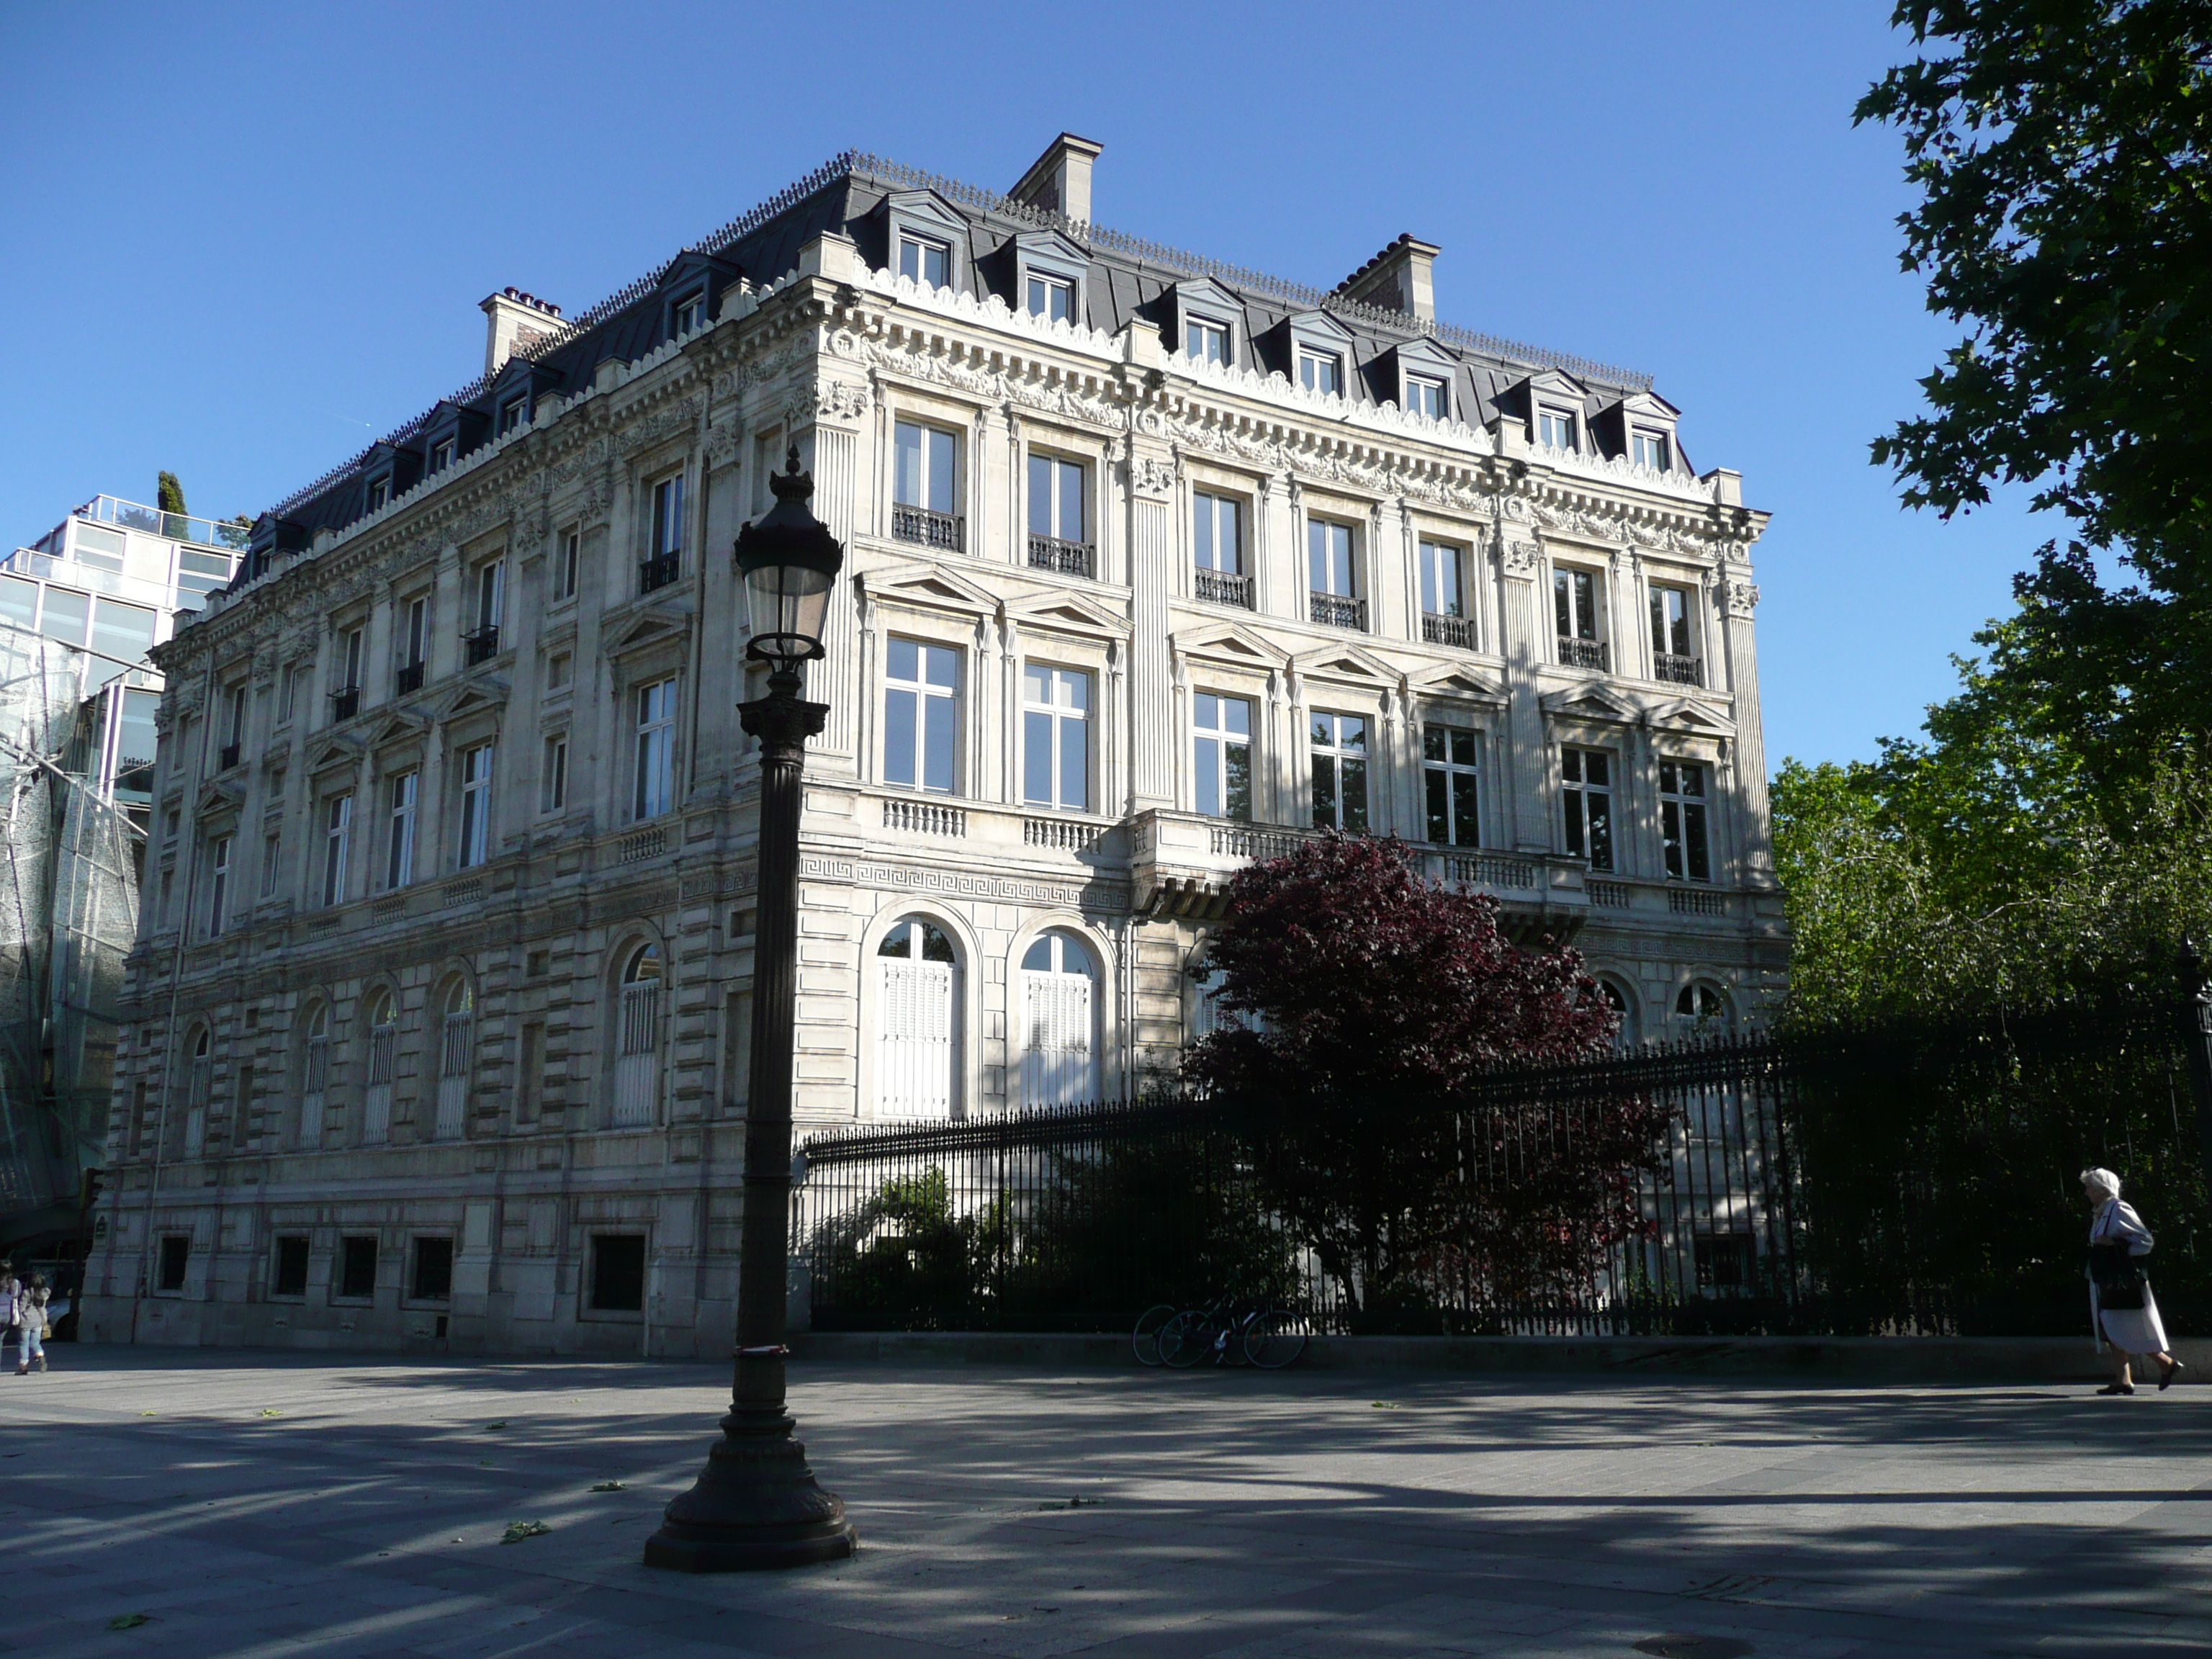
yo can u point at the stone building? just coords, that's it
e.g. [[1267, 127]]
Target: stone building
[[1153, 565]]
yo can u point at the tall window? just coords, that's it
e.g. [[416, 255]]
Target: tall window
[[234, 719], [491, 592], [476, 805], [688, 314], [1673, 653], [1440, 585], [668, 517], [314, 1076], [1206, 340], [199, 1087], [553, 777], [1059, 1004], [1052, 298], [218, 884], [1218, 531], [455, 1041], [1586, 788], [637, 1043], [656, 749], [1221, 756], [337, 840], [1339, 771], [1682, 821], [925, 260], [564, 566], [288, 692], [917, 1024], [1555, 426], [442, 455], [1702, 1006], [1448, 771], [349, 652], [400, 793], [513, 415], [921, 715], [415, 634], [924, 485], [1329, 558], [380, 492], [1426, 395], [383, 1020], [272, 855], [1056, 498], [1649, 449], [1321, 371], [1574, 609], [1056, 737]]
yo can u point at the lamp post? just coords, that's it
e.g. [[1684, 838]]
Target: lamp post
[[756, 1503]]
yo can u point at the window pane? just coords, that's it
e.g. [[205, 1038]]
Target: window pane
[[1071, 501], [1040, 496], [943, 665], [907, 488], [1355, 794], [1237, 790], [1075, 765], [67, 612], [899, 730], [1439, 805], [1207, 768], [19, 601], [123, 631], [905, 654], [936, 743], [1466, 825], [1236, 716], [1036, 756], [1201, 531], [1324, 792], [940, 473]]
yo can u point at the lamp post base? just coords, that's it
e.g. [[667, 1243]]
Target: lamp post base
[[754, 1505]]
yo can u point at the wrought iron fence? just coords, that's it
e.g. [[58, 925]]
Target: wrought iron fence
[[1904, 1180]]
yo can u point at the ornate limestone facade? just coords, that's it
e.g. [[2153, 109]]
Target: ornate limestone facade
[[1153, 565]]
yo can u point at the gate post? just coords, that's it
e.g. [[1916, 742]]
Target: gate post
[[2196, 1035]]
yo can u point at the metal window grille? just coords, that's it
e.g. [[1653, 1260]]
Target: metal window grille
[[376, 1098], [314, 1082], [637, 1057], [454, 1075]]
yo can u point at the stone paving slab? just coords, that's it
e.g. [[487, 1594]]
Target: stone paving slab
[[261, 1506]]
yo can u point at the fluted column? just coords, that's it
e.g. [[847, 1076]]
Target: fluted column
[[835, 680], [1739, 597], [1152, 544], [1523, 628]]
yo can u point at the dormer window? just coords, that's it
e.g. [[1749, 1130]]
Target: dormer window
[[380, 492], [688, 314], [1428, 395], [925, 259], [1649, 449], [1206, 340], [513, 415], [441, 454], [1321, 371], [1052, 298], [1556, 429]]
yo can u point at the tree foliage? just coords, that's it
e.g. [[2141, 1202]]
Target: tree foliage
[[168, 493]]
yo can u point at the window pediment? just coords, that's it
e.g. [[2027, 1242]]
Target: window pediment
[[1458, 683], [485, 698], [337, 754], [1065, 612], [644, 629], [933, 587], [1231, 644]]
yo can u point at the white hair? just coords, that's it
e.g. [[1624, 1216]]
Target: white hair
[[2103, 1180]]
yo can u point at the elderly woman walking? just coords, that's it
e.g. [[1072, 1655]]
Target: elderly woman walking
[[2121, 1305]]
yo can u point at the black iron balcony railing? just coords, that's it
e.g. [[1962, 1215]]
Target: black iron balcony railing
[[1681, 670], [1335, 611], [1582, 653], [1073, 558], [482, 645], [230, 756], [345, 702], [1225, 587], [1447, 630], [918, 524], [409, 677], [658, 571]]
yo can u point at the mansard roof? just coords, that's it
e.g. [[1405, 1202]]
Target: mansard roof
[[1128, 279]]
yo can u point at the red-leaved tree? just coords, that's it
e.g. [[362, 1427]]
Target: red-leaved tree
[[1364, 1003]]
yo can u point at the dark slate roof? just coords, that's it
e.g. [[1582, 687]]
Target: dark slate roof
[[1128, 279]]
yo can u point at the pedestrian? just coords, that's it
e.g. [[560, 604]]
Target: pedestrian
[[31, 1298], [14, 1334], [2121, 1305]]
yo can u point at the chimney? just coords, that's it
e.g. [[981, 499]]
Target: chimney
[[517, 318], [1401, 278], [1059, 179]]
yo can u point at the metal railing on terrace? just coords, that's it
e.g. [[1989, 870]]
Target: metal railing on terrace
[[1582, 653], [1335, 611], [176, 526], [1223, 588], [1678, 670], [1073, 558], [1439, 630], [931, 529]]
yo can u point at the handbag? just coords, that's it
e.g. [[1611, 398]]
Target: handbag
[[2117, 1276]]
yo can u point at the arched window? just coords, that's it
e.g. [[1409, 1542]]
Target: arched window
[[1060, 1012], [315, 1075], [637, 1046], [1702, 1008], [453, 1049], [383, 1017], [199, 1083], [1628, 1033], [1206, 1013], [917, 1026]]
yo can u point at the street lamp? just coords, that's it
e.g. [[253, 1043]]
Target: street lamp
[[756, 1503]]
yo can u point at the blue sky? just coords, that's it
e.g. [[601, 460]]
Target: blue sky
[[241, 240]]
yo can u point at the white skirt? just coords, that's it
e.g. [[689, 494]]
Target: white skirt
[[2131, 1330]]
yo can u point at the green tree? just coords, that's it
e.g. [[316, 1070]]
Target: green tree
[[168, 493]]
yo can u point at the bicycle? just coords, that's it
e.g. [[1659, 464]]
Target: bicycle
[[1264, 1336], [1145, 1338]]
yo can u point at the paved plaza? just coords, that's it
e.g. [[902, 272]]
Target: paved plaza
[[262, 1507]]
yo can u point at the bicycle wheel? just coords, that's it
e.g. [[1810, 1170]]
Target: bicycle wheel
[[1274, 1339], [1146, 1339], [1186, 1339]]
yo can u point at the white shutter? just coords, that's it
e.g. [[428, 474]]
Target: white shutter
[[453, 1076], [637, 1057], [914, 1047], [1056, 1057]]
